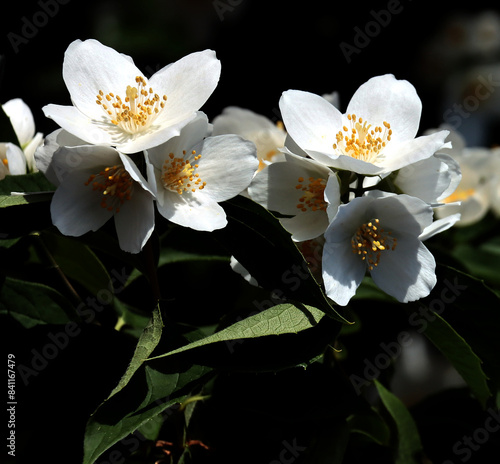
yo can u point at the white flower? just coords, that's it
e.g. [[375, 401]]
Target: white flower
[[96, 183], [379, 233], [473, 196], [267, 136], [495, 182], [12, 160], [432, 180], [20, 159], [115, 105], [193, 172], [302, 188], [375, 136]]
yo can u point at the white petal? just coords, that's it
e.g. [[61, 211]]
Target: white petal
[[455, 174], [410, 151], [426, 179], [15, 159], [76, 208], [343, 271], [347, 163], [134, 172], [44, 153], [384, 98], [227, 165], [135, 221], [438, 226], [187, 83], [187, 210], [21, 119], [93, 157], [332, 196], [80, 125], [274, 186], [151, 138], [402, 214], [240, 121], [90, 66], [408, 272], [30, 148], [311, 121], [188, 138], [306, 226]]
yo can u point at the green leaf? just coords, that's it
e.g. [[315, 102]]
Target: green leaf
[[461, 356], [32, 303], [33, 182], [78, 262], [471, 308], [371, 425], [265, 249], [481, 261], [143, 393], [153, 389], [369, 291], [145, 346], [278, 320], [17, 200], [408, 449]]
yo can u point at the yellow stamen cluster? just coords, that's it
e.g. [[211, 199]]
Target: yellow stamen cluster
[[460, 195], [361, 141], [5, 162], [137, 111], [115, 185], [178, 174], [313, 197], [370, 240]]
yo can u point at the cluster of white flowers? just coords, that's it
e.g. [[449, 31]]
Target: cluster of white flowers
[[360, 185], [129, 142]]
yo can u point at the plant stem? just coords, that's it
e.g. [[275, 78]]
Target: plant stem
[[151, 271]]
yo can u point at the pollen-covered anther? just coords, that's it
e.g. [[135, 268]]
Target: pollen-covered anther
[[115, 184], [178, 174], [313, 198], [362, 141], [136, 111], [370, 240]]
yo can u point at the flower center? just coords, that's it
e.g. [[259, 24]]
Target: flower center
[[370, 240], [137, 111], [5, 162], [115, 185], [361, 141], [314, 194], [460, 195], [178, 174]]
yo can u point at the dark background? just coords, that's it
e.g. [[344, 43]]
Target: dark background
[[265, 47]]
